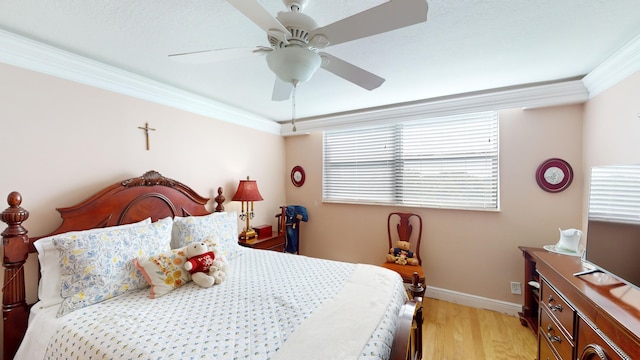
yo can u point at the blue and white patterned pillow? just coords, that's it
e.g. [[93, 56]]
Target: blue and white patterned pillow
[[49, 259], [96, 267], [221, 227]]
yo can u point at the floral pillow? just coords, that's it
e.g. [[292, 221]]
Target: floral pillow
[[221, 226], [49, 259], [164, 271], [96, 267]]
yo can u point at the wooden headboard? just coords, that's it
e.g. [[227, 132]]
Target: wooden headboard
[[150, 195]]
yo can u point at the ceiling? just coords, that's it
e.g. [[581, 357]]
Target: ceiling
[[465, 46]]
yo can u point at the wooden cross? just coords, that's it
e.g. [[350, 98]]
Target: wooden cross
[[146, 129]]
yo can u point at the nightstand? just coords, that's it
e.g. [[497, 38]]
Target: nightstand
[[275, 242]]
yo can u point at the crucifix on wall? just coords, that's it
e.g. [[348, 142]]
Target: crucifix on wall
[[146, 129]]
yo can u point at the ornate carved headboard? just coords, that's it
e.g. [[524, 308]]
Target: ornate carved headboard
[[150, 195]]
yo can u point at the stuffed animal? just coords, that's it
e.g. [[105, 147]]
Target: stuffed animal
[[199, 262], [219, 271], [401, 254]]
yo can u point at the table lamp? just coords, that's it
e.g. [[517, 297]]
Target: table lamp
[[247, 193]]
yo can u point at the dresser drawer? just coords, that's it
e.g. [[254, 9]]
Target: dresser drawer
[[558, 307], [550, 331], [591, 345], [545, 352]]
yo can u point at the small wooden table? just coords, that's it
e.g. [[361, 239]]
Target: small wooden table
[[275, 242]]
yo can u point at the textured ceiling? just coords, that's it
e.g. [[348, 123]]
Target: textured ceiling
[[464, 46]]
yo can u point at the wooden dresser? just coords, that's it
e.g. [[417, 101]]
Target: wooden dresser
[[592, 316]]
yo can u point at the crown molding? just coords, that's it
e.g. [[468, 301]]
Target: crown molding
[[29, 54], [531, 96], [616, 68], [32, 55]]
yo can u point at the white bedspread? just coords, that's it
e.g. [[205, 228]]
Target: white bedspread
[[264, 300], [352, 315]]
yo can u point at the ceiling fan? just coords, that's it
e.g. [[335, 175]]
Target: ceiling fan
[[296, 41]]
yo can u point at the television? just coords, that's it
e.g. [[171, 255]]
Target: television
[[613, 226]]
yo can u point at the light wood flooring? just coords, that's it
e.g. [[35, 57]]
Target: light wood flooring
[[457, 332]]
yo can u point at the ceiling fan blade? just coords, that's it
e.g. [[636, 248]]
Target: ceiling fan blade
[[350, 72], [211, 56], [281, 90], [392, 15], [259, 15]]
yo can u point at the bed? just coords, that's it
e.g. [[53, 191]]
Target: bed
[[95, 301]]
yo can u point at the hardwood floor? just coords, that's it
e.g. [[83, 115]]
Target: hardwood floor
[[457, 332]]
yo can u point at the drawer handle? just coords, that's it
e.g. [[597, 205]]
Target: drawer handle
[[557, 308], [552, 338]]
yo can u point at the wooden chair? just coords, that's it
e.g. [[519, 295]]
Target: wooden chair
[[403, 224]]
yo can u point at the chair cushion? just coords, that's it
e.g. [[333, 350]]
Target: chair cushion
[[406, 271]]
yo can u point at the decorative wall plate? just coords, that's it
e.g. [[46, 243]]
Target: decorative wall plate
[[297, 176], [554, 175]]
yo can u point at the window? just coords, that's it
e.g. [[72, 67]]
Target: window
[[445, 162]]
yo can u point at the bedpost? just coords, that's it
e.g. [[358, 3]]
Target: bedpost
[[407, 342], [219, 201], [15, 244]]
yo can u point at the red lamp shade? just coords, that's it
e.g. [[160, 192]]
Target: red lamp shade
[[247, 191]]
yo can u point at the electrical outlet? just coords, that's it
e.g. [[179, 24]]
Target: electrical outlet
[[516, 288]]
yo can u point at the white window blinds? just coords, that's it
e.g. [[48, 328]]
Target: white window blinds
[[615, 193], [449, 162]]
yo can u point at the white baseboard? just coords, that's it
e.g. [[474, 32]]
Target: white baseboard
[[473, 300]]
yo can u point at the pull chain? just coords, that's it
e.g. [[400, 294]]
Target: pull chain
[[293, 106]]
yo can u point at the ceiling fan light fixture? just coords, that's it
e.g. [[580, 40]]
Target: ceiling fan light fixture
[[293, 64]]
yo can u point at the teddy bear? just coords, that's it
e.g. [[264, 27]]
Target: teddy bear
[[219, 271], [401, 254], [199, 262]]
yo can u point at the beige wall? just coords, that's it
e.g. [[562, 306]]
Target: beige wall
[[62, 142], [611, 129], [612, 125], [471, 252]]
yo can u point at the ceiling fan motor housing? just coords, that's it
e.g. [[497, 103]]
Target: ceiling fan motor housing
[[299, 26]]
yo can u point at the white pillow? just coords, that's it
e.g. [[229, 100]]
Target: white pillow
[[48, 257], [221, 226], [97, 267]]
